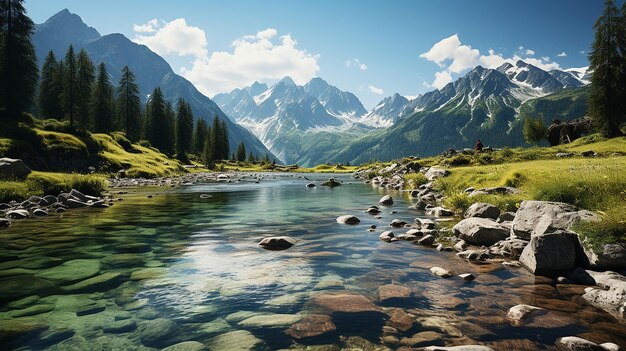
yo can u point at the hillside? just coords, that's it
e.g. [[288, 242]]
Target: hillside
[[151, 70]]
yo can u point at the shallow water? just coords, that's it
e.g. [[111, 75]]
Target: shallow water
[[147, 273]]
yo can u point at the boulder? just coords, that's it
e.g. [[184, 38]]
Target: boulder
[[396, 223], [480, 231], [610, 293], [157, 332], [467, 277], [474, 255], [186, 346], [387, 236], [606, 256], [439, 212], [277, 243], [386, 200], [434, 173], [506, 217], [331, 182], [425, 223], [510, 247], [482, 210], [400, 319], [426, 240], [237, 340], [551, 253], [18, 214], [540, 217], [11, 168], [348, 219]]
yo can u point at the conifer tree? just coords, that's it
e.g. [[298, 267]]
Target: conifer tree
[[69, 94], [128, 106], [18, 63], [241, 152], [155, 113], [209, 149], [167, 130], [199, 137], [184, 129], [85, 77], [102, 102], [50, 88], [605, 98], [224, 140], [251, 157]]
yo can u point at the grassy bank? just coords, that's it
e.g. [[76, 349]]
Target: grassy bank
[[595, 183], [49, 183]]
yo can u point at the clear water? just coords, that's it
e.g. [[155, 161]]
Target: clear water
[[177, 267]]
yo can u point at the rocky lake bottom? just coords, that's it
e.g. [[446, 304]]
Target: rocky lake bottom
[[178, 267]]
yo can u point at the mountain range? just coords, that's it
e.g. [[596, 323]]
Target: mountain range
[[151, 70], [319, 123]]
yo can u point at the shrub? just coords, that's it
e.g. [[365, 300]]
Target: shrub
[[611, 229], [458, 201], [459, 160], [414, 180], [144, 143]]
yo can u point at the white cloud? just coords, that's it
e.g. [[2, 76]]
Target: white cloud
[[562, 54], [375, 90], [148, 27], [356, 63], [441, 79], [264, 56], [455, 58], [172, 38]]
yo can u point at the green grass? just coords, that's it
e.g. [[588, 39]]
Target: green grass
[[414, 180], [49, 183]]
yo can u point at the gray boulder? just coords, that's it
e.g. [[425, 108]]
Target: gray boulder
[[427, 240], [540, 217], [387, 236], [348, 219], [550, 253], [480, 231], [511, 247], [439, 212], [18, 214], [606, 256], [434, 173], [459, 348], [277, 243], [610, 293], [482, 210], [11, 168], [506, 217], [386, 200], [574, 343]]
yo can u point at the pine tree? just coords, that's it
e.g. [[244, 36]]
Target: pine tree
[[102, 102], [184, 129], [605, 100], [18, 63], [224, 141], [128, 106], [251, 157], [155, 113], [50, 88], [266, 159], [85, 78], [69, 98], [209, 149], [199, 137], [167, 131], [241, 152]]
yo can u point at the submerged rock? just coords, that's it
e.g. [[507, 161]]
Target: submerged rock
[[270, 321], [277, 243], [311, 326], [347, 302], [186, 346], [610, 295], [237, 340], [156, 332], [518, 313], [71, 271], [400, 319], [393, 292]]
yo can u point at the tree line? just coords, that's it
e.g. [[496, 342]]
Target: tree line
[[73, 89], [607, 66]]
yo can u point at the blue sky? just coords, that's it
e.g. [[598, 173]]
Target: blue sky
[[371, 48]]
